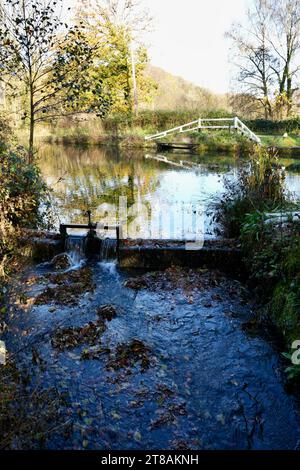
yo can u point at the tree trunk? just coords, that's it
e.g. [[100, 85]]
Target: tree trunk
[[31, 131], [31, 141], [289, 95], [127, 92], [134, 83]]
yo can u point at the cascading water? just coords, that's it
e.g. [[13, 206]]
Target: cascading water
[[75, 250], [108, 250], [108, 257], [79, 248], [75, 243]]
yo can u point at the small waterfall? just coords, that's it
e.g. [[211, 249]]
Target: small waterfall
[[79, 248], [75, 243], [108, 249], [110, 268], [108, 257], [75, 251]]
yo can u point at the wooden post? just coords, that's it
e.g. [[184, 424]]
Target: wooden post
[[118, 242], [63, 234]]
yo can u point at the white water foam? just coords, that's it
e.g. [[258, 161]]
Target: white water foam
[[76, 260], [110, 267]]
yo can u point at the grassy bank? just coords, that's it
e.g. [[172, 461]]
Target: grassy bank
[[293, 140], [271, 244], [130, 132], [94, 133], [22, 190]]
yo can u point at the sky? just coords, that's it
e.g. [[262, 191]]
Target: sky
[[188, 38]]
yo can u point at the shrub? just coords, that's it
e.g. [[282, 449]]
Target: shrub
[[22, 190], [153, 121], [265, 126], [259, 187], [272, 257]]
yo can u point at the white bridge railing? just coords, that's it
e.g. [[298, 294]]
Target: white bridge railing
[[215, 123]]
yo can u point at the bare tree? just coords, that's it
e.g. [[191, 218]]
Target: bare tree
[[267, 54], [253, 57], [285, 42]]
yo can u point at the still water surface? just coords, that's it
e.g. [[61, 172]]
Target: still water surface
[[173, 193]]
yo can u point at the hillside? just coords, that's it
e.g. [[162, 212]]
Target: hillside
[[176, 93]]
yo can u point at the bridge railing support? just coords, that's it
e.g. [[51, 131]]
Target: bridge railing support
[[207, 123]]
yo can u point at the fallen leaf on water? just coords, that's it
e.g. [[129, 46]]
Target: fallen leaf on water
[[137, 436], [221, 419]]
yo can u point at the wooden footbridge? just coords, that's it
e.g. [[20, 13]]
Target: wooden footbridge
[[210, 124]]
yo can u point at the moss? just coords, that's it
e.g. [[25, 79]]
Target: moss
[[284, 311], [273, 261]]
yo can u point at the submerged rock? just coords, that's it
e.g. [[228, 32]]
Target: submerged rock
[[128, 355], [107, 312], [68, 338], [62, 261]]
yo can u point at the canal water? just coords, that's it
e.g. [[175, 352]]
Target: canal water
[[165, 360], [173, 194]]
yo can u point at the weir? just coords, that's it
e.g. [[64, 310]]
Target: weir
[[148, 254], [91, 244]]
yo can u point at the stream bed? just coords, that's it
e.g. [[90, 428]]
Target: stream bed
[[164, 360], [117, 359]]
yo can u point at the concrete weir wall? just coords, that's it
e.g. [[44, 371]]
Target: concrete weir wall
[[224, 255], [217, 254]]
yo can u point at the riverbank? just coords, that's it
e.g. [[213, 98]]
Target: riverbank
[[266, 219], [130, 132], [204, 142], [221, 142]]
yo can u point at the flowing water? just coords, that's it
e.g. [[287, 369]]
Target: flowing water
[[177, 365], [175, 368]]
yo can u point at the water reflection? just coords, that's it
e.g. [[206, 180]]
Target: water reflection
[[173, 190]]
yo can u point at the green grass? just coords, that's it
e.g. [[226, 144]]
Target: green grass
[[293, 140], [91, 130]]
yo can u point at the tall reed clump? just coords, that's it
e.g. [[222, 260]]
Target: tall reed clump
[[258, 210], [259, 187]]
